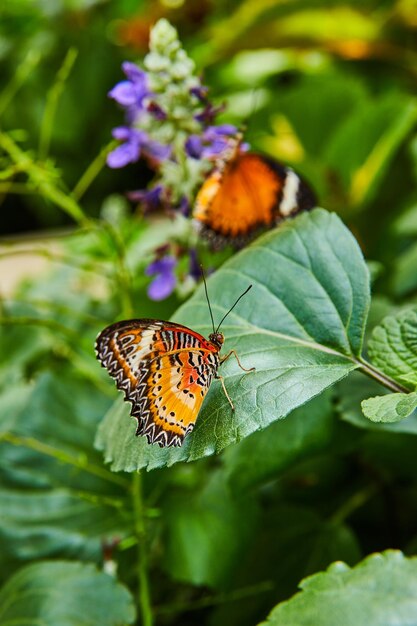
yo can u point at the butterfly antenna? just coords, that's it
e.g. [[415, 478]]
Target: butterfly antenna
[[208, 300], [230, 310]]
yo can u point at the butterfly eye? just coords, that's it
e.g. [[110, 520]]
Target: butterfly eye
[[217, 338]]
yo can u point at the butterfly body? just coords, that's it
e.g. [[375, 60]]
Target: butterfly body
[[164, 369], [245, 194]]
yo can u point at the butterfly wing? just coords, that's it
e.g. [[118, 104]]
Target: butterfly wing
[[164, 370], [249, 194]]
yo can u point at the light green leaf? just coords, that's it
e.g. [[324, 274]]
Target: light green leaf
[[390, 408], [393, 345], [381, 590], [355, 389], [64, 594], [301, 326]]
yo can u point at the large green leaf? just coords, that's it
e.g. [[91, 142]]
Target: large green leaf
[[301, 326], [382, 589], [64, 594]]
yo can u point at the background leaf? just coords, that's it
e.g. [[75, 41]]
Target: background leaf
[[301, 326], [382, 589], [267, 453], [64, 594], [206, 532]]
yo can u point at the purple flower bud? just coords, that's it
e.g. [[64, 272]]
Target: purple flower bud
[[220, 131], [195, 269], [130, 150], [156, 151], [130, 93], [133, 72], [209, 113], [184, 207], [194, 146], [200, 92], [164, 283], [149, 199], [157, 111], [212, 143]]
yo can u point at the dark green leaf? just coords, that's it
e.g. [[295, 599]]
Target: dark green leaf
[[301, 326], [64, 594], [206, 532], [382, 589], [291, 542]]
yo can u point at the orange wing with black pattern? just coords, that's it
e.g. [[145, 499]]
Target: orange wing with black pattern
[[164, 370], [246, 195]]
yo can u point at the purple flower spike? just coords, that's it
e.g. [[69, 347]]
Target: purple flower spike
[[130, 150], [164, 283]]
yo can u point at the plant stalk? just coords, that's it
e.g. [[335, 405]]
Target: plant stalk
[[382, 378], [140, 531]]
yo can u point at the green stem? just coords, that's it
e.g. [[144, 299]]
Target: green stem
[[140, 531], [380, 377], [19, 77], [356, 501], [52, 99], [123, 281], [81, 462], [92, 171]]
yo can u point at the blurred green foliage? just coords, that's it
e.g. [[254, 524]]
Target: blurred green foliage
[[325, 86]]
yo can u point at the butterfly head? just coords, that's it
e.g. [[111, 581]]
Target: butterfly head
[[217, 339]]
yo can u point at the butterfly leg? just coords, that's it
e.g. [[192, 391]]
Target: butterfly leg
[[221, 378], [223, 359]]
